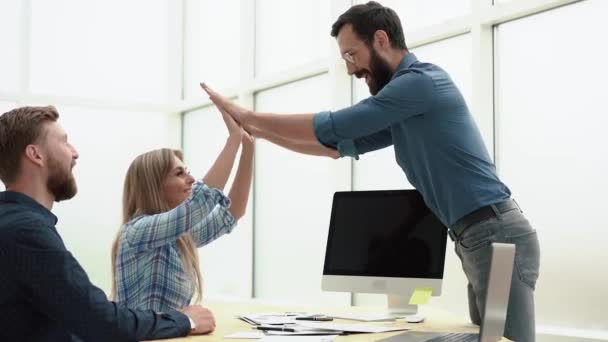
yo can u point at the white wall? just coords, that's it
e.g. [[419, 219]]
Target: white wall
[[4, 107], [10, 21], [551, 125]]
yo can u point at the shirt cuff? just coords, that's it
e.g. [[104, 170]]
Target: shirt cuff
[[227, 218], [324, 129], [347, 148], [213, 195], [192, 324]]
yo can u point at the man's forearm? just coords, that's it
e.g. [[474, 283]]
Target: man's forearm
[[290, 126], [314, 148]]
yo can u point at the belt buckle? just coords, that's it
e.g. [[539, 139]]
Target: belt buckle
[[452, 235]]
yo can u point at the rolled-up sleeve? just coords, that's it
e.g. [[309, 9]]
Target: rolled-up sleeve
[[206, 205], [408, 94]]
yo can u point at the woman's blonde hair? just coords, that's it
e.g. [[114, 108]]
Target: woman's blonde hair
[[142, 195]]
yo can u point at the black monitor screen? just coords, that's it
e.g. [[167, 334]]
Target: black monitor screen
[[384, 234]]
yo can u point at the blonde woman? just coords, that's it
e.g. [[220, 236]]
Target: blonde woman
[[167, 215]]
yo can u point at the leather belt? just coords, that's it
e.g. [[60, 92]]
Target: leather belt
[[479, 215]]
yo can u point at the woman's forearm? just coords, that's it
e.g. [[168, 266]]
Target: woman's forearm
[[239, 192], [218, 174]]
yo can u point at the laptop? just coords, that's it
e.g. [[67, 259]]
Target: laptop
[[497, 300]]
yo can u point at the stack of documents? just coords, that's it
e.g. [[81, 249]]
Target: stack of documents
[[288, 324], [271, 317]]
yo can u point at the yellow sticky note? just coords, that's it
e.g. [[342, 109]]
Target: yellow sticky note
[[421, 295]]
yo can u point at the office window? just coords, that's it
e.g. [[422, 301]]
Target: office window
[[101, 49], [107, 142], [10, 31], [293, 196], [212, 54], [551, 123], [226, 262], [299, 35], [419, 14]]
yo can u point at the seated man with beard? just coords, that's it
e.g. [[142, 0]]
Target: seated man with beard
[[45, 295]]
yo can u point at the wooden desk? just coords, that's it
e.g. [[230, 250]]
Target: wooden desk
[[227, 323]]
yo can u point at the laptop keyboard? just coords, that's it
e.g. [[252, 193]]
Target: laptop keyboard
[[455, 337]]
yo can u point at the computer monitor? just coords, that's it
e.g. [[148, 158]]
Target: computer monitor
[[386, 242]]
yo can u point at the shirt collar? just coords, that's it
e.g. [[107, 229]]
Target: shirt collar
[[20, 198], [406, 62]]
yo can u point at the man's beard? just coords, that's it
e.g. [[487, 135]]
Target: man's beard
[[61, 183], [380, 72]]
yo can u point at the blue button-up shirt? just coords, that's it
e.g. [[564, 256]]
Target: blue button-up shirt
[[424, 116]]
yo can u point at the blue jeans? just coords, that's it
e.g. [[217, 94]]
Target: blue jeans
[[473, 249]]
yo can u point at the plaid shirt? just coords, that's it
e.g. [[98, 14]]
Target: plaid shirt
[[149, 271]]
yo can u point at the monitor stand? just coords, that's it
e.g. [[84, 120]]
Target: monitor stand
[[398, 307]]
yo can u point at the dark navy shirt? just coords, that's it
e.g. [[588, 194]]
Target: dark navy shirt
[[45, 295], [424, 116]]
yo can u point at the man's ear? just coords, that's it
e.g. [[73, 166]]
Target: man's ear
[[381, 39], [34, 154]]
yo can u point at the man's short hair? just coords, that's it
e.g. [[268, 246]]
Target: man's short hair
[[368, 18], [19, 128]]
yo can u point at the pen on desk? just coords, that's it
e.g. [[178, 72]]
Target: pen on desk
[[315, 318], [276, 328]]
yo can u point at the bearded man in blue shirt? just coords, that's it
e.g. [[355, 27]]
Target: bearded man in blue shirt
[[416, 108]]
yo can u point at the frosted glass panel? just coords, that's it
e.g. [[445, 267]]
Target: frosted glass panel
[[379, 170], [204, 136], [551, 138], [10, 38], [211, 57], [104, 49], [107, 142], [290, 33], [419, 14], [293, 198]]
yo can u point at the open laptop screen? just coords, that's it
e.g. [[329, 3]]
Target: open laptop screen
[[389, 233]]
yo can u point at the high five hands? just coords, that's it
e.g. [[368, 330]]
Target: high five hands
[[234, 116], [240, 114]]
